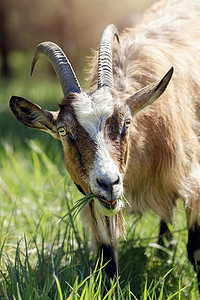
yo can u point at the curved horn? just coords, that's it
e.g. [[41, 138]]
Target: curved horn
[[105, 73], [60, 64]]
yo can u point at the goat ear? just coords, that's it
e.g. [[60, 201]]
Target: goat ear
[[148, 94], [32, 115]]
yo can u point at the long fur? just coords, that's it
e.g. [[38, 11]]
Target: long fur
[[164, 150]]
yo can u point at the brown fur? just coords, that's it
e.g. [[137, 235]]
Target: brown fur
[[78, 152]]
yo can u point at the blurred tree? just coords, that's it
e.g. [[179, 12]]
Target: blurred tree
[[4, 42], [74, 25]]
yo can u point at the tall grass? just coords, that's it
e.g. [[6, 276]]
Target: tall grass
[[40, 259]]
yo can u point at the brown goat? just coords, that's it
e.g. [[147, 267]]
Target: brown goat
[[155, 160]]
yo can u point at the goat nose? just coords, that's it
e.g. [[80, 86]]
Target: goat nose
[[106, 184]]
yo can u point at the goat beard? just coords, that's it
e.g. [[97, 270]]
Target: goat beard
[[107, 228]]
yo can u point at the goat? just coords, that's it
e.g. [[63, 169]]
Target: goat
[[113, 143]]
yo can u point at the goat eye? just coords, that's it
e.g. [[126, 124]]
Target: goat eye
[[62, 131], [127, 123]]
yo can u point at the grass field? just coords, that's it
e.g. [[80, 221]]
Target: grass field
[[42, 260]]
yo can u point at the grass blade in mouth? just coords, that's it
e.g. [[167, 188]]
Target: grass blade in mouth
[[81, 203], [78, 206], [125, 200]]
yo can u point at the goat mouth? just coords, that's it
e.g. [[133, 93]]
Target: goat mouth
[[106, 207], [108, 204]]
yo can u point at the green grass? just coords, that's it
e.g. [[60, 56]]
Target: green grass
[[40, 259]]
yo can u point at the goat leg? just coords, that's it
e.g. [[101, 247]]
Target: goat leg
[[109, 260], [193, 249], [164, 233]]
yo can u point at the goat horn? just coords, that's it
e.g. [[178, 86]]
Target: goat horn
[[60, 64], [105, 73]]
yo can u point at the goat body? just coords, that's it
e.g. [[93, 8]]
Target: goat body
[[164, 150], [157, 159]]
